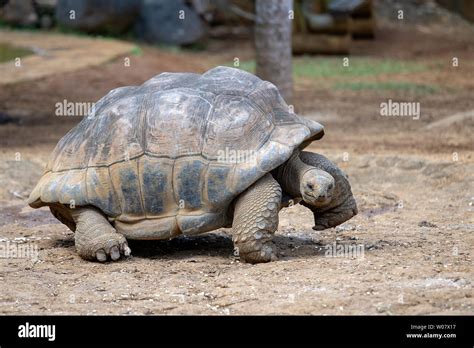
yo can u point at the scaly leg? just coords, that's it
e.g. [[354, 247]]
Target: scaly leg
[[95, 238], [256, 219]]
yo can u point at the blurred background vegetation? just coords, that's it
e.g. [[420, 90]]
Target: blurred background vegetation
[[318, 27]]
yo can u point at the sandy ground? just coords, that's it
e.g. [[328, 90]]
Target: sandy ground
[[56, 54], [413, 180]]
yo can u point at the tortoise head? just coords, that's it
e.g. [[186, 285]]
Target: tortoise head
[[317, 188], [335, 203]]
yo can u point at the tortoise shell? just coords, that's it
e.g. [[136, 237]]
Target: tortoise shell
[[169, 156]]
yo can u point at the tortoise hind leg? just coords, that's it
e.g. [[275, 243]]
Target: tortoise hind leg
[[95, 237], [63, 214], [256, 219]]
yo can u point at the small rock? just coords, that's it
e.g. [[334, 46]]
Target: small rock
[[425, 223], [411, 164]]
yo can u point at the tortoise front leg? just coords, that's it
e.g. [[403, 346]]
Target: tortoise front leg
[[256, 219], [95, 238]]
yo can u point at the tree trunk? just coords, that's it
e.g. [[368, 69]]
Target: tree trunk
[[273, 44]]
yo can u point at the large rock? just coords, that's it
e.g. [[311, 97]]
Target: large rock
[[161, 21], [18, 12], [97, 16]]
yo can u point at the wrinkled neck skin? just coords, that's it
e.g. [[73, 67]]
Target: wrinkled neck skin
[[342, 189], [343, 206], [290, 174]]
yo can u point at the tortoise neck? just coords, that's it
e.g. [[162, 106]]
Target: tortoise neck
[[290, 174]]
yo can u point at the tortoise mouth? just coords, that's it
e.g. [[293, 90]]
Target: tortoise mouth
[[317, 202]]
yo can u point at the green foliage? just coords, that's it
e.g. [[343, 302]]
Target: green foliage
[[195, 47], [248, 65], [136, 51], [8, 52], [391, 86], [358, 66], [8, 26], [332, 67], [332, 70], [168, 47]]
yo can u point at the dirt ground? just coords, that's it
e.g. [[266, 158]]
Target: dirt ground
[[413, 180]]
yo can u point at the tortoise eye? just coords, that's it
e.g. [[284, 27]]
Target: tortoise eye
[[310, 186]]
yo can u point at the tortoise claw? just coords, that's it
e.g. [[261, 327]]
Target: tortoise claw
[[126, 250], [114, 253], [101, 255]]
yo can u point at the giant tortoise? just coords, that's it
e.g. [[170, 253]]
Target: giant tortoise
[[184, 154]]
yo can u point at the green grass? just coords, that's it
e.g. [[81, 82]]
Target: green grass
[[62, 29], [310, 67], [5, 25], [328, 67], [8, 52], [387, 86], [359, 67], [137, 51], [168, 47]]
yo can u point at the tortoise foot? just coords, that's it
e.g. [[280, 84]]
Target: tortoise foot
[[109, 246]]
